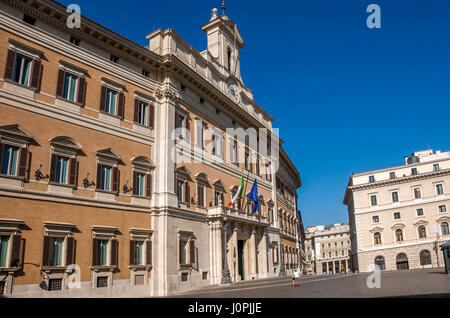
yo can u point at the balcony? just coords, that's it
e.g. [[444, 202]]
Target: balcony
[[239, 215]]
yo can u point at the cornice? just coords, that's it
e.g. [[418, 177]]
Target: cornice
[[400, 180]]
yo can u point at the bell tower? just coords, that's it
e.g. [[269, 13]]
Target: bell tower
[[224, 41]]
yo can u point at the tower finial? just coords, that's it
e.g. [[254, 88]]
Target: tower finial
[[223, 8]]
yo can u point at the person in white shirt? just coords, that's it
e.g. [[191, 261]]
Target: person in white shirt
[[296, 280]]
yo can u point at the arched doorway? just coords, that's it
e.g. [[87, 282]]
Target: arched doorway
[[402, 261], [379, 260]]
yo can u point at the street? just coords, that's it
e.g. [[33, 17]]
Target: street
[[416, 283]]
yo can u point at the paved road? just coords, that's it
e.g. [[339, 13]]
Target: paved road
[[416, 283]]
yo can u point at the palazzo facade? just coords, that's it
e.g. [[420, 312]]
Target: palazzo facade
[[118, 162]]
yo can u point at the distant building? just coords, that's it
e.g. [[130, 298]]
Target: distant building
[[328, 248], [398, 215]]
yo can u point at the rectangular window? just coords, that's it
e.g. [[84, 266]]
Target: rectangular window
[[439, 189], [392, 175], [436, 167], [442, 209], [180, 190], [375, 219], [214, 144], [183, 245], [3, 250], [106, 178], [200, 195], [74, 41], [419, 212], [247, 158], [138, 253], [54, 284], [145, 73], [102, 252], [56, 249], [414, 171], [140, 184], [102, 282], [22, 70], [9, 160], [216, 198], [417, 193], [180, 125], [114, 59], [397, 216], [111, 101], [62, 167], [371, 179], [70, 87], [323, 255], [394, 196], [373, 200], [143, 114]]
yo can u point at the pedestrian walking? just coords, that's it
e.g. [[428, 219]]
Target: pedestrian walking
[[297, 278]]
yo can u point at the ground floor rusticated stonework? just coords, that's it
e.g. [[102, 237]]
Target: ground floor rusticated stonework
[[401, 257]]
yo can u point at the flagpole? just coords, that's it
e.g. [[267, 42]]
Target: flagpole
[[245, 187]]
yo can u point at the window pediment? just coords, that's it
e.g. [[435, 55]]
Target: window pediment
[[15, 133], [443, 219], [376, 229], [143, 163], [109, 154], [112, 84], [72, 68], [66, 143], [398, 226], [202, 177], [421, 222], [25, 49], [219, 184], [183, 171]]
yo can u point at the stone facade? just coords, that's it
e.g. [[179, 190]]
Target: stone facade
[[399, 215], [118, 162]]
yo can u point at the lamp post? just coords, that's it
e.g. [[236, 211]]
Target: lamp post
[[436, 247], [226, 278]]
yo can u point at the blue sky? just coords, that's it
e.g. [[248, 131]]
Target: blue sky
[[346, 98]]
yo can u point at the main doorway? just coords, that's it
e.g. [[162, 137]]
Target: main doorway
[[241, 259]]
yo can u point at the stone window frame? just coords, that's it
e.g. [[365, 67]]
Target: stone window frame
[[10, 227], [150, 101], [77, 71], [144, 165], [202, 180], [425, 224], [395, 228], [399, 219], [188, 237], [67, 147], [435, 184], [413, 188], [108, 157], [104, 233], [145, 236], [183, 174], [16, 136], [420, 216], [218, 187], [391, 191], [443, 212], [373, 231], [64, 231], [117, 87], [370, 199], [372, 221], [443, 219]]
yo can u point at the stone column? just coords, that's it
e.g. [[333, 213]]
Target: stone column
[[264, 254], [252, 253], [234, 254], [220, 251]]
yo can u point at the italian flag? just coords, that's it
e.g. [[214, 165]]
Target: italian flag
[[239, 193]]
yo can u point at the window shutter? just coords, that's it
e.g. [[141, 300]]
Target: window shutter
[[132, 245], [151, 120], [23, 162], [81, 90], [36, 75], [136, 111], [70, 251], [116, 179], [53, 168], [73, 172], [135, 182], [99, 176], [148, 184], [45, 253], [149, 252], [103, 98], [180, 250], [94, 251], [222, 198], [176, 188], [186, 192], [177, 122], [16, 247], [120, 110], [60, 83], [2, 146], [188, 128], [114, 252], [192, 251], [9, 70]]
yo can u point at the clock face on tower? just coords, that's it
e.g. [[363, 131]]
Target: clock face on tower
[[232, 89]]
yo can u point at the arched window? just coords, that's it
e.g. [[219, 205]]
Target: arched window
[[402, 261], [377, 238], [444, 228], [422, 232], [399, 235], [425, 257], [379, 260]]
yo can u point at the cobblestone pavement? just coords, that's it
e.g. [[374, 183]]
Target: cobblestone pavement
[[407, 283]]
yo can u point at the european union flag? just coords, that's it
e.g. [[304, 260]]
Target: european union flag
[[253, 196]]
